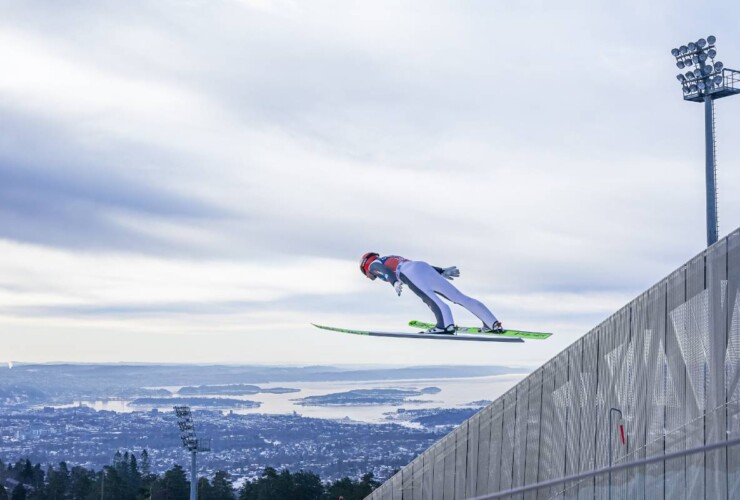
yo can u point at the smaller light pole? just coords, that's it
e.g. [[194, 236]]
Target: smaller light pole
[[102, 484], [191, 443]]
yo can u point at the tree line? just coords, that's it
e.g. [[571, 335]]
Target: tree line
[[129, 478]]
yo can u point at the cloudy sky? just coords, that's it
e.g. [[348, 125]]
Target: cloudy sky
[[196, 180]]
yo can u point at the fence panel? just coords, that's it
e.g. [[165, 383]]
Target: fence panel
[[484, 450], [450, 442], [534, 407], [427, 485], [623, 368], [732, 361], [507, 445], [396, 487], [438, 488], [693, 337], [471, 460], [640, 336], [675, 414], [417, 473], [658, 395], [520, 434], [588, 381], [462, 438], [715, 422], [497, 433], [605, 399], [561, 400], [576, 397], [545, 469]]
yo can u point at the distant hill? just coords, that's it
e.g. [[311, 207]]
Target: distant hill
[[141, 375]]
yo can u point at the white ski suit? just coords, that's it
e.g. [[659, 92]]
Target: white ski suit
[[428, 283]]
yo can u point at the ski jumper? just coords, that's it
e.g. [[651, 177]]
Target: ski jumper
[[428, 283]]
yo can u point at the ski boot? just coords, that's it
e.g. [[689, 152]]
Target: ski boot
[[495, 328], [448, 330]]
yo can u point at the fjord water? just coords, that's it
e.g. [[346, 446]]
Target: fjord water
[[454, 393]]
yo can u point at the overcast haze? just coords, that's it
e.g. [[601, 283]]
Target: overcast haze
[[195, 181]]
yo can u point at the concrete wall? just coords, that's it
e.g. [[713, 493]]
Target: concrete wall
[[669, 360]]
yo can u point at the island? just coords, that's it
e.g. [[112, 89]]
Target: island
[[432, 418], [232, 390], [196, 402], [480, 403], [365, 397], [430, 390]]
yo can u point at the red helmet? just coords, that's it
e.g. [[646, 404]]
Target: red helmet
[[365, 262]]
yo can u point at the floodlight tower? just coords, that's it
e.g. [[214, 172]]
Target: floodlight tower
[[191, 443], [706, 81]]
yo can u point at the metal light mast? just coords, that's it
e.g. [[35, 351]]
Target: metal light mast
[[706, 81], [191, 443]]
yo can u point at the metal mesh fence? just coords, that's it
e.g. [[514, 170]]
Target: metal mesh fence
[[669, 362]]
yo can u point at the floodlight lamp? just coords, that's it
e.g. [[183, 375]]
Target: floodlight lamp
[[693, 88], [702, 57], [681, 78], [712, 39], [712, 53], [690, 75], [674, 52], [683, 49], [695, 59], [701, 84], [680, 65], [692, 46], [717, 80], [701, 43], [718, 66]]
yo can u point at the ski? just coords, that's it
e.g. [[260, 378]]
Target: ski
[[433, 336], [479, 331]]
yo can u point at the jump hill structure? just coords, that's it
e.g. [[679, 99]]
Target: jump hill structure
[[644, 406]]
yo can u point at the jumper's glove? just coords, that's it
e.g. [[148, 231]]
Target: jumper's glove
[[398, 287], [451, 272]]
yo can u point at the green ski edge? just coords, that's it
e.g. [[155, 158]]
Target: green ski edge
[[506, 333]]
